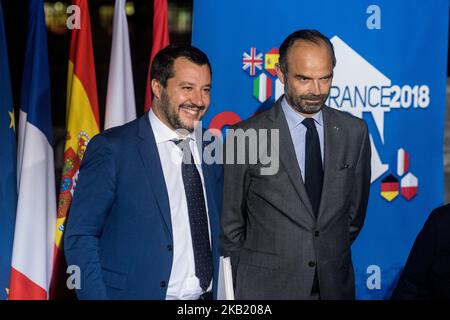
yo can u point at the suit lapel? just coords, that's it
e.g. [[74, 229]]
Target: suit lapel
[[208, 176], [153, 170], [287, 154], [209, 180], [332, 146], [214, 221]]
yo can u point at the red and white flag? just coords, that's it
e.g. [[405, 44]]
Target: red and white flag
[[160, 41], [402, 162], [409, 186]]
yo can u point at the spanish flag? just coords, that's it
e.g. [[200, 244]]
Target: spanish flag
[[82, 119], [271, 60]]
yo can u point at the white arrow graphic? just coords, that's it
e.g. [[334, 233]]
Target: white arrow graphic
[[378, 167]]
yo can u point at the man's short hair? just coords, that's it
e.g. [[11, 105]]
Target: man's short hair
[[313, 36], [162, 66]]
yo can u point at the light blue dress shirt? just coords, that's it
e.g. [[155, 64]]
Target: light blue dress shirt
[[298, 132]]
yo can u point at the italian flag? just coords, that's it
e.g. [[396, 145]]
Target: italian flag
[[262, 87]]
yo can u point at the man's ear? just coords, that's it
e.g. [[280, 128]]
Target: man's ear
[[156, 88], [280, 73]]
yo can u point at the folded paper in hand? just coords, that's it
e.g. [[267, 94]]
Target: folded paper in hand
[[225, 286]]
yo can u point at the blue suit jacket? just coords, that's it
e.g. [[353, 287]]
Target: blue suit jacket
[[119, 230]]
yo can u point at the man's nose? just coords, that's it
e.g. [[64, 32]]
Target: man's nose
[[315, 87], [197, 98]]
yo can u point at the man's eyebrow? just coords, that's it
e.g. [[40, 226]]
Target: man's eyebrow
[[328, 75], [184, 83], [298, 76]]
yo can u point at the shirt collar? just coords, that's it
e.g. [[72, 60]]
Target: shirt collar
[[294, 118], [163, 133]]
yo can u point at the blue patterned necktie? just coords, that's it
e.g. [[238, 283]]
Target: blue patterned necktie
[[197, 215]]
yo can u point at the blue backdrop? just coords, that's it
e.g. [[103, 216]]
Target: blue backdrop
[[391, 71]]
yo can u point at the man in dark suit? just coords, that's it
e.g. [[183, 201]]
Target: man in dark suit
[[427, 272], [144, 221], [289, 233]]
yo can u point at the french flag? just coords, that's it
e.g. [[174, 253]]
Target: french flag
[[36, 207]]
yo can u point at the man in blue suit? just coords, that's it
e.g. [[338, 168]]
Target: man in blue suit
[[144, 221]]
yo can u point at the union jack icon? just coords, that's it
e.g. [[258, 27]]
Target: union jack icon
[[252, 61]]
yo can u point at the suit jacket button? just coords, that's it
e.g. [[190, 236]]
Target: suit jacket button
[[162, 284], [316, 234], [169, 247], [312, 264]]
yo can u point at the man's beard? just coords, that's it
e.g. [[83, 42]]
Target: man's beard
[[297, 102], [172, 114]]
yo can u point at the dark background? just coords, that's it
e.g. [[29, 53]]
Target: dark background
[[140, 23], [101, 12]]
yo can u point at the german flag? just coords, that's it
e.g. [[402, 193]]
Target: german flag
[[389, 187], [82, 124]]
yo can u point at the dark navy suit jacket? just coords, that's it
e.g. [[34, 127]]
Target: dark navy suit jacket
[[119, 230], [427, 272]]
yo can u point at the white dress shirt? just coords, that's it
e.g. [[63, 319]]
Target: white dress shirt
[[183, 284]]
